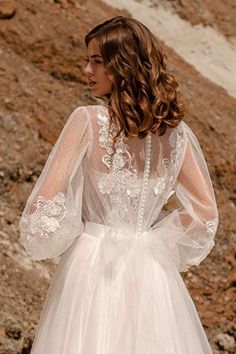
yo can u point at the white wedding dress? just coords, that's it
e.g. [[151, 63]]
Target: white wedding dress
[[117, 288]]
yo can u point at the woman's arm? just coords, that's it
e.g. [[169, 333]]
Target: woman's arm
[[198, 214], [52, 218]]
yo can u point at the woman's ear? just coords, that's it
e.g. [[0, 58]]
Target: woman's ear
[[110, 77]]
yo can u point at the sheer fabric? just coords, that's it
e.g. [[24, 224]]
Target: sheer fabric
[[101, 206], [74, 179], [52, 218]]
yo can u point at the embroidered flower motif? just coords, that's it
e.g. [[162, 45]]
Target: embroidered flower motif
[[120, 183], [133, 191], [48, 216], [160, 185], [48, 224], [211, 227], [118, 162]]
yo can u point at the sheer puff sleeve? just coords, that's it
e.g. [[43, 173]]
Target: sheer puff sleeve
[[197, 216], [52, 217]]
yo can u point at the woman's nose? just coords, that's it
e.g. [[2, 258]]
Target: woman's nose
[[88, 69]]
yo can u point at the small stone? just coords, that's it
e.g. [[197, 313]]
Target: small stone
[[13, 332], [225, 341], [7, 9]]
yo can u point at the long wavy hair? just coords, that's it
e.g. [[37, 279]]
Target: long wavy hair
[[145, 95]]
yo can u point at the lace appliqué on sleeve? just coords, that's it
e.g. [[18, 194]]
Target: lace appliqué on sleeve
[[211, 227], [164, 184], [47, 217], [205, 245]]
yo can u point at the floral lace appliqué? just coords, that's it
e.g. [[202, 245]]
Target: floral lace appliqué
[[211, 227], [205, 244], [120, 182], [48, 215]]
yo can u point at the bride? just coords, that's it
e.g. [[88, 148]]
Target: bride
[[99, 203]]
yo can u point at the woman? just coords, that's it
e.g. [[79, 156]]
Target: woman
[[99, 203]]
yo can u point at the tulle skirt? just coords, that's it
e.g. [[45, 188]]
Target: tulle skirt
[[118, 293]]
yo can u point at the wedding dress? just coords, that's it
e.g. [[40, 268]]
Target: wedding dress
[[101, 208]]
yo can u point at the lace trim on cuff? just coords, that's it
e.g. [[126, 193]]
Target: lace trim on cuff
[[47, 217]]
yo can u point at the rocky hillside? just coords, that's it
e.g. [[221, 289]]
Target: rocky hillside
[[41, 79]]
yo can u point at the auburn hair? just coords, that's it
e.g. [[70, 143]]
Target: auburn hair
[[145, 95]]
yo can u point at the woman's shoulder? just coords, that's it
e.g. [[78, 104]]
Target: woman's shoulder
[[181, 130], [90, 112], [92, 108], [91, 117], [183, 136]]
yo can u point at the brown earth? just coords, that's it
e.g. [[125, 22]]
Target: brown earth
[[41, 79]]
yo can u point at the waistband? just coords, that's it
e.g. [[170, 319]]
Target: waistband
[[101, 230]]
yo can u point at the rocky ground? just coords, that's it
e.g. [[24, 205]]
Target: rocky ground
[[41, 80]]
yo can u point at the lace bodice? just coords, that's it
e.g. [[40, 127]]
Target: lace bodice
[[123, 185], [119, 184], [126, 186]]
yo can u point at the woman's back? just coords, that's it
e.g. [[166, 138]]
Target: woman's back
[[129, 182], [88, 179]]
